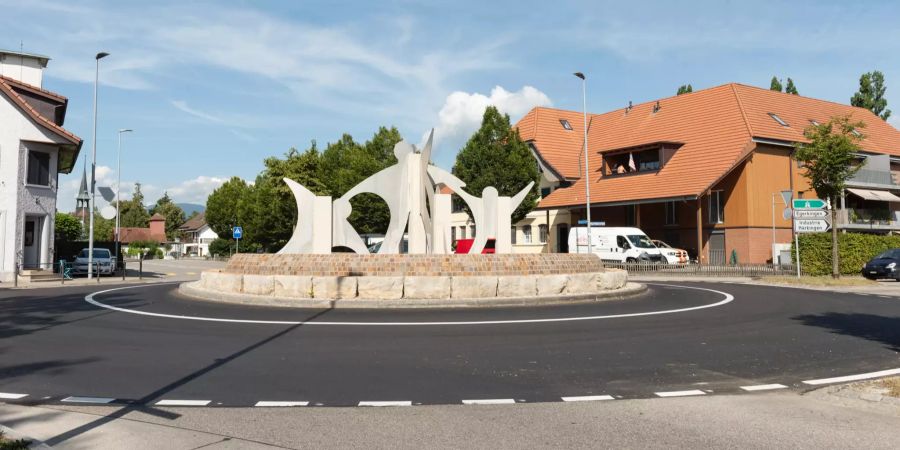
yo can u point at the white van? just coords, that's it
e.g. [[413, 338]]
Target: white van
[[615, 244]]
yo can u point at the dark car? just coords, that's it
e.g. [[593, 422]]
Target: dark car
[[883, 266]]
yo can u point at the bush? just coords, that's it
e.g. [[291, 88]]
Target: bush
[[221, 247], [855, 249]]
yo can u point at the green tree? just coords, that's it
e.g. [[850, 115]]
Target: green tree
[[775, 85], [173, 213], [685, 89], [132, 212], [221, 247], [496, 156], [67, 227], [829, 158], [104, 229], [871, 94], [222, 206], [790, 88]]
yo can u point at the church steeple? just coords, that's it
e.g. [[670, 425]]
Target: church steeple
[[83, 199]]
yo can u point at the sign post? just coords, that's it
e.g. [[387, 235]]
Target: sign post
[[237, 233], [810, 216]]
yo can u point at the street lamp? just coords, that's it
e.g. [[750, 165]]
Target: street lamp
[[97, 58], [119, 181], [587, 179]]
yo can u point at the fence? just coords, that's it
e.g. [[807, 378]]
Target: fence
[[712, 270]]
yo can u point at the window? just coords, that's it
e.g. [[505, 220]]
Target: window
[[565, 124], [526, 234], [38, 168], [671, 213], [778, 119], [716, 206], [542, 233], [462, 232], [452, 234], [456, 204], [512, 236], [630, 215], [814, 122], [472, 228], [545, 192], [856, 133]]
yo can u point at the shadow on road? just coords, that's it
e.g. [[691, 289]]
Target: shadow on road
[[144, 404], [866, 326]]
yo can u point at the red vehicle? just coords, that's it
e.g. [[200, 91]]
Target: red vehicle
[[464, 245]]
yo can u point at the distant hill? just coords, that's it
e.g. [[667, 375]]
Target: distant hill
[[189, 208]]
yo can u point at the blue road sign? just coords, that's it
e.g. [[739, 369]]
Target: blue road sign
[[237, 232]]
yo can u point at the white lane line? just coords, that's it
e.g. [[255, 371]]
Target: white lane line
[[165, 402], [280, 404], [861, 376], [387, 403], [763, 387], [489, 401], [728, 298], [11, 396], [588, 398], [680, 393], [98, 400]]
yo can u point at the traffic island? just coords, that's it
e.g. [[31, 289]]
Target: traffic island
[[411, 281]]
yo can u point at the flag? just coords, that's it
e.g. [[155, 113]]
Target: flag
[[631, 162]]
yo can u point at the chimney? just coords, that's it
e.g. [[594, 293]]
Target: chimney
[[158, 227], [25, 67]]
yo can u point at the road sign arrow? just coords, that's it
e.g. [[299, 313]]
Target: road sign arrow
[[810, 214], [811, 225], [808, 203]]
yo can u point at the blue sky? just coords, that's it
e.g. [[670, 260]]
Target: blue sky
[[212, 88]]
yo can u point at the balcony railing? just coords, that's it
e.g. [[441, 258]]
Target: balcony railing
[[869, 218], [868, 176]]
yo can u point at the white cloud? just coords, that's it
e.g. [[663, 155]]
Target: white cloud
[[195, 190], [183, 106], [462, 111]]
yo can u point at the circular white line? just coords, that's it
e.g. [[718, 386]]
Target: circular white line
[[728, 298]]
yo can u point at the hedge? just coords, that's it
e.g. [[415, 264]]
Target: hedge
[[855, 250]]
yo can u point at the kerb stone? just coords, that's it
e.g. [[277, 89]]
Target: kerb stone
[[582, 283], [426, 287], [292, 286], [551, 284], [222, 282], [380, 288], [473, 287], [516, 286], [334, 287], [258, 284]]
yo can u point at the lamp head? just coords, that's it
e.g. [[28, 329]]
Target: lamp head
[[101, 55], [125, 130], [579, 75]]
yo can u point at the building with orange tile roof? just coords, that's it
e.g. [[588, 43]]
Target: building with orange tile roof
[[34, 149], [703, 170]]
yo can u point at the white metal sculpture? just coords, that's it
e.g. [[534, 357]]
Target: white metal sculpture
[[408, 188]]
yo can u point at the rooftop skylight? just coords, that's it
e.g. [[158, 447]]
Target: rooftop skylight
[[778, 119], [565, 123]]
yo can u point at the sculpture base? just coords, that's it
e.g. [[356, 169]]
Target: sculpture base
[[363, 281]]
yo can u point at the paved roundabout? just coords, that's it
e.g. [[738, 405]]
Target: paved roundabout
[[147, 345]]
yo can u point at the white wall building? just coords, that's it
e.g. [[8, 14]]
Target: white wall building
[[197, 236], [34, 149]]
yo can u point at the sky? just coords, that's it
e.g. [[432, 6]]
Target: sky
[[213, 88]]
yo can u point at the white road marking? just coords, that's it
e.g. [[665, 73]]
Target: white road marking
[[728, 298], [11, 396], [165, 402], [588, 398], [763, 387], [490, 401], [100, 400], [280, 404], [680, 393], [387, 403], [861, 376]]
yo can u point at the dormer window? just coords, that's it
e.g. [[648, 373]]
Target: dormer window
[[649, 158], [814, 122], [856, 133], [565, 124], [778, 119]]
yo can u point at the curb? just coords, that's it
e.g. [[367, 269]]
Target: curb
[[750, 282], [190, 290], [9, 433]]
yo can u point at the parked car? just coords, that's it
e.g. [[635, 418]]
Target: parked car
[[104, 262], [615, 244], [673, 255], [884, 265]]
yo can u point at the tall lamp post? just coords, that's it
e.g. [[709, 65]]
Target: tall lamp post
[[587, 179], [119, 184], [97, 58]]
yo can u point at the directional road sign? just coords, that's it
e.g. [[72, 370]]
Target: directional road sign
[[237, 232], [810, 214], [811, 225], [808, 203]]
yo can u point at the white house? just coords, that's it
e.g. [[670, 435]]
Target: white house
[[34, 149], [197, 236]]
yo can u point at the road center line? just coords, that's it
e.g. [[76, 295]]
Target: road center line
[[11, 396], [763, 387], [165, 402], [588, 398], [90, 298], [387, 403], [680, 393], [490, 401]]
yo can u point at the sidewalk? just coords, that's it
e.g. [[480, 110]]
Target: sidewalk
[[884, 287], [154, 271]]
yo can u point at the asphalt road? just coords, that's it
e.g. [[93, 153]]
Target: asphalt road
[[54, 344]]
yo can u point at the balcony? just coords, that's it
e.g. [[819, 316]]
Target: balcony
[[873, 178], [872, 219]]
